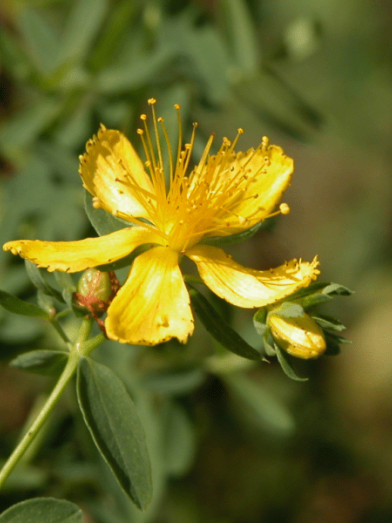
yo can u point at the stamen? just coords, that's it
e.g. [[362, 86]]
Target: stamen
[[151, 156], [152, 102], [169, 149], [179, 148]]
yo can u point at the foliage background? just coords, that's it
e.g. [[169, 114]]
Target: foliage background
[[315, 77]]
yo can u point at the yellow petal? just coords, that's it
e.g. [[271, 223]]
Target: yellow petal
[[108, 169], [245, 287], [259, 179], [153, 305], [80, 255]]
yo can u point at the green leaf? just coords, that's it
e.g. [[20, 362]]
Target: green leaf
[[287, 365], [241, 32], [220, 329], [46, 362], [23, 308], [38, 281], [221, 241], [43, 510], [318, 293], [102, 221], [111, 417], [328, 322], [82, 26], [13, 56], [67, 283], [336, 288]]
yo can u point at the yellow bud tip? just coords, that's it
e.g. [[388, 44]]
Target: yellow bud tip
[[152, 101], [102, 127], [284, 208]]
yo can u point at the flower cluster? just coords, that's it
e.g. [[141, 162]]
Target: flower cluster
[[224, 194]]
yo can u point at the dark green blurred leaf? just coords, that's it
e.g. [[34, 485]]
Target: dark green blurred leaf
[[276, 102], [38, 281], [260, 404], [134, 74], [82, 26], [287, 364], [46, 362], [111, 417], [174, 381], [23, 308], [241, 34], [43, 510], [27, 124], [178, 440], [41, 41], [13, 56], [116, 25], [220, 329]]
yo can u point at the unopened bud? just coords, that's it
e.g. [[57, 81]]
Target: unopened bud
[[94, 291], [299, 336]]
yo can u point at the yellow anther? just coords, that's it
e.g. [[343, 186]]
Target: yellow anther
[[284, 208], [140, 131], [152, 101], [160, 119], [143, 117], [177, 106], [240, 131]]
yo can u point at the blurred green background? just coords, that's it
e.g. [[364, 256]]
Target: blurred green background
[[229, 443]]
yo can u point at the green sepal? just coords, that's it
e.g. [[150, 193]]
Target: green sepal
[[268, 343], [114, 425], [219, 329], [333, 343], [102, 221], [259, 321], [222, 241], [328, 322], [317, 293], [37, 510], [287, 364], [35, 275], [68, 286], [23, 308], [288, 310], [46, 362]]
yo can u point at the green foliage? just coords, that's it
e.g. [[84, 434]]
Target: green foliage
[[220, 329], [43, 509], [114, 425]]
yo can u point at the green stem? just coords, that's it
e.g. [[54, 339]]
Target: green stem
[[57, 326], [80, 348]]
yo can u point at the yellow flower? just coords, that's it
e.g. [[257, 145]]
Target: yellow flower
[[224, 194], [300, 337]]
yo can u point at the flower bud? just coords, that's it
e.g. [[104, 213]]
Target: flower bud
[[94, 291], [299, 336]]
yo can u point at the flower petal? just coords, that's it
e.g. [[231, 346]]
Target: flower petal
[[108, 168], [253, 183], [153, 305], [80, 255], [245, 287]]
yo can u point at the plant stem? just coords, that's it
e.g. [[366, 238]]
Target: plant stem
[[80, 348]]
